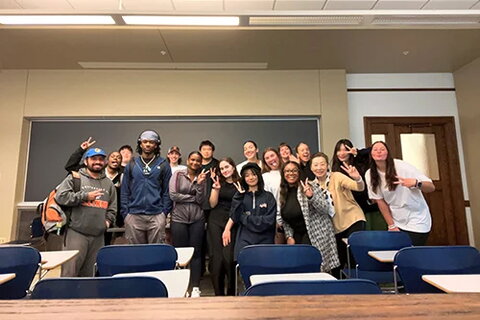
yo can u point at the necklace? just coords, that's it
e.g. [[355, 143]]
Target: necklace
[[147, 169]]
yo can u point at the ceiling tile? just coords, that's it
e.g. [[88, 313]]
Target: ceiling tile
[[399, 4], [148, 5], [45, 4], [248, 5], [9, 4], [449, 4], [95, 4], [198, 5], [349, 4], [299, 4]]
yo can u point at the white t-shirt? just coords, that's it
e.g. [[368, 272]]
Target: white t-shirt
[[272, 181], [176, 168], [240, 166], [408, 206]]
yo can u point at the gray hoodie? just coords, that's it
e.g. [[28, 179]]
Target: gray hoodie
[[187, 197], [88, 217]]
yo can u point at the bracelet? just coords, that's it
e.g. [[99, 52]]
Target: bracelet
[[392, 226]]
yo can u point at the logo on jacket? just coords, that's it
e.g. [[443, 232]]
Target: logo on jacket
[[263, 205]]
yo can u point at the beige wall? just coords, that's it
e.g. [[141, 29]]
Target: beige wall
[[45, 93], [467, 81]]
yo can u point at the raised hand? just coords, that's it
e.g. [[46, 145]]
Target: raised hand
[[293, 158], [351, 171], [239, 187], [213, 172], [87, 143], [216, 182], [92, 195], [202, 177], [351, 150], [406, 182], [306, 188]]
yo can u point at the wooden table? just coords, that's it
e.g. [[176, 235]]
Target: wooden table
[[454, 283], [5, 277], [176, 281], [184, 256], [391, 307], [262, 278], [383, 255]]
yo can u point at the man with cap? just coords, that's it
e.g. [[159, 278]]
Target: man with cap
[[93, 210], [144, 192]]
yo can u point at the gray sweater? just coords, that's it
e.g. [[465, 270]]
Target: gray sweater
[[88, 217], [187, 197]]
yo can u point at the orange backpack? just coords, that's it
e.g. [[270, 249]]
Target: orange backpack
[[55, 218]]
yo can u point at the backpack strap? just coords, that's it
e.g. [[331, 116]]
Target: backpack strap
[[76, 181], [76, 188]]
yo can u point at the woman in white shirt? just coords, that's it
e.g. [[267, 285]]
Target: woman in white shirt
[[250, 151], [396, 186], [174, 157]]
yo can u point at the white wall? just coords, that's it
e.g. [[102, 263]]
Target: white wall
[[404, 103]]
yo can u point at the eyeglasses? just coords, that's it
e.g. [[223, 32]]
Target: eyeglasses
[[293, 171]]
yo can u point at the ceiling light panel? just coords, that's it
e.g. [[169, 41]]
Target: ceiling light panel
[[349, 4], [55, 20], [399, 4], [45, 4], [299, 5], [148, 5], [175, 65], [306, 21], [449, 4], [182, 20]]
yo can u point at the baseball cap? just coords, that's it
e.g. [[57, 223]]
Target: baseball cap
[[95, 152], [174, 149]]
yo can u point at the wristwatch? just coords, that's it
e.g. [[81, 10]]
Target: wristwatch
[[419, 184]]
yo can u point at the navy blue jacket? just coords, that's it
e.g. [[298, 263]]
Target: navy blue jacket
[[255, 215], [146, 194]]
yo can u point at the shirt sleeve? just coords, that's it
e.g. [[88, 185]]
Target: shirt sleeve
[[377, 194]]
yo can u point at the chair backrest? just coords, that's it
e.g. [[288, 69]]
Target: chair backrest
[[363, 241], [276, 258], [23, 261], [414, 262], [101, 287], [315, 287], [135, 258]]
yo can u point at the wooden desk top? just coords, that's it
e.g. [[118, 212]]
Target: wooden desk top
[[53, 259], [392, 307], [454, 283], [5, 277], [383, 255]]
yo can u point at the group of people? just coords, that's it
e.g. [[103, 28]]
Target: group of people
[[284, 196]]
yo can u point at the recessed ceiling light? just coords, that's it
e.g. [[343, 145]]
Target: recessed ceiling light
[[55, 20], [182, 20]]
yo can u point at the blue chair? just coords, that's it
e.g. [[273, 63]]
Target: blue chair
[[116, 259], [367, 267], [277, 258], [24, 262], [316, 287], [103, 288], [412, 263]]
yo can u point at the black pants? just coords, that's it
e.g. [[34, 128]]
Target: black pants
[[190, 235], [418, 239], [342, 247], [221, 263]]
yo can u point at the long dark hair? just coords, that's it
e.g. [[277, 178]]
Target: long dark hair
[[235, 175], [336, 163], [256, 171], [284, 184], [390, 172], [265, 167]]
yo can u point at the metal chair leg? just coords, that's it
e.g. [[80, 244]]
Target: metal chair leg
[[236, 279], [395, 279]]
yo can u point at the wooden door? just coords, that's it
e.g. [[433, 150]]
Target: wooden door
[[446, 203]]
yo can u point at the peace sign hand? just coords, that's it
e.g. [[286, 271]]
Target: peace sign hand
[[239, 187], [216, 182], [352, 150], [406, 182], [213, 172], [202, 177], [351, 171], [87, 143], [306, 188]]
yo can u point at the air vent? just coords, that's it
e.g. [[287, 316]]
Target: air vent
[[305, 21], [426, 20]]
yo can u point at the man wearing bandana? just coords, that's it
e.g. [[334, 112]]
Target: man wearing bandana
[[144, 192]]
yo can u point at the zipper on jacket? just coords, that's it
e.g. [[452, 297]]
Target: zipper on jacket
[[253, 207]]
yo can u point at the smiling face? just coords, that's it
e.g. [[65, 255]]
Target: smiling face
[[251, 178], [114, 160], [95, 164], [194, 162], [226, 169], [173, 157], [379, 152], [207, 152], [250, 151], [319, 167], [291, 173], [303, 152], [272, 160], [285, 152], [126, 155], [342, 154]]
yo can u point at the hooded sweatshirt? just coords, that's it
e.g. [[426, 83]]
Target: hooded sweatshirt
[[88, 217]]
